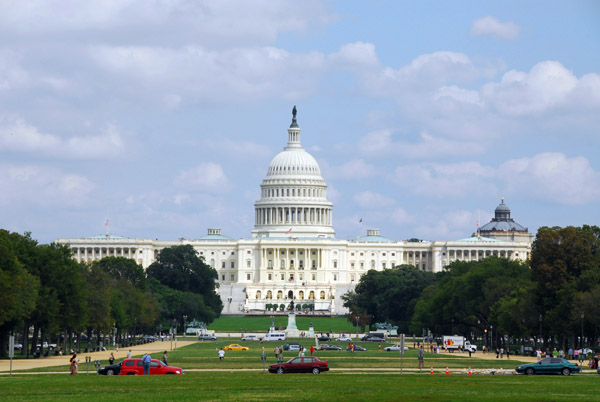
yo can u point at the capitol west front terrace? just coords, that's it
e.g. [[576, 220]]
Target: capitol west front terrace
[[293, 253]]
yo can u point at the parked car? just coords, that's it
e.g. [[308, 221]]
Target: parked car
[[306, 364], [372, 338], [324, 338], [344, 338], [250, 338], [112, 369], [329, 347], [207, 337], [136, 367], [395, 347], [357, 348], [549, 365], [235, 346], [292, 346], [526, 351], [148, 338]]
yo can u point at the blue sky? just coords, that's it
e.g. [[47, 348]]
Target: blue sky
[[162, 116]]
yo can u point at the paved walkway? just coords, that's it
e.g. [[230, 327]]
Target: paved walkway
[[156, 349]]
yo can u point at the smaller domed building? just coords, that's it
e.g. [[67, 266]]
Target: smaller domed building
[[503, 227]]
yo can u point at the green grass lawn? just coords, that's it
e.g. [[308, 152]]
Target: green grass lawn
[[203, 355], [330, 387], [262, 324]]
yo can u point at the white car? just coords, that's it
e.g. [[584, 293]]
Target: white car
[[344, 338], [396, 347], [250, 338]]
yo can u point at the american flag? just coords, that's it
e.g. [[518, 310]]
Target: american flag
[[106, 224], [289, 231]]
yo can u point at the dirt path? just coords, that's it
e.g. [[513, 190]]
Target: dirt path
[[155, 349]]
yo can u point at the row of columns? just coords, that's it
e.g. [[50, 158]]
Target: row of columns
[[293, 216], [284, 295], [86, 253], [276, 258], [293, 192]]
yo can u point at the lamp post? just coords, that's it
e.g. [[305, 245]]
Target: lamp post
[[115, 336], [485, 330], [492, 336], [356, 318], [452, 328], [184, 324], [541, 318], [582, 316]]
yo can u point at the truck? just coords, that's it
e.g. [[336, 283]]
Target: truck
[[452, 343]]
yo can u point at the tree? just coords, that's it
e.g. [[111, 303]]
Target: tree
[[389, 295], [121, 268], [466, 293], [18, 288], [181, 269], [565, 263]]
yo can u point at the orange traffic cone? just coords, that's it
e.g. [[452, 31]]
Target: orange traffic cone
[[470, 370], [447, 372], [431, 370]]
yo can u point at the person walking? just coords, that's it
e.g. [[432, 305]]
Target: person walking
[[312, 350], [111, 359], [421, 358], [276, 351], [165, 357], [129, 354], [221, 355], [508, 353], [146, 360], [73, 367]]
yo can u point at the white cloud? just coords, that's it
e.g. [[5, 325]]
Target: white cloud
[[351, 170], [213, 21], [238, 148], [426, 72], [381, 143], [441, 180], [546, 176], [44, 186], [371, 200], [400, 216], [233, 75], [207, 176], [492, 26], [355, 56], [571, 181], [18, 135], [546, 86]]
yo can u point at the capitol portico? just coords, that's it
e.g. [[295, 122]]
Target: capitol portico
[[293, 253]]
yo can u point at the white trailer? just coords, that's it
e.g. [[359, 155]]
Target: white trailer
[[452, 343]]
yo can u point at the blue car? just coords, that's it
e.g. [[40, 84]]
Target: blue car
[[549, 365]]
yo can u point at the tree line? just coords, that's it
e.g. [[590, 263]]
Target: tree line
[[45, 293], [552, 297]]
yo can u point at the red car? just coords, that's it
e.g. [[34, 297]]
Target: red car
[[307, 364], [136, 367]]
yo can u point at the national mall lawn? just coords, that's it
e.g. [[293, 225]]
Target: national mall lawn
[[360, 376], [332, 386]]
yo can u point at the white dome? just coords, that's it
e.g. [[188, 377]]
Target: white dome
[[293, 195], [294, 162]]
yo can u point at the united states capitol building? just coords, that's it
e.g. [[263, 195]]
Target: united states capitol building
[[293, 254]]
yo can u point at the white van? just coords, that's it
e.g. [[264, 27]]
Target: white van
[[274, 336]]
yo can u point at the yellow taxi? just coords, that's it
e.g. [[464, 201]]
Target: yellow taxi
[[235, 346]]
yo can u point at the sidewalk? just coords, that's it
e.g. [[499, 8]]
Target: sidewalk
[[155, 349]]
